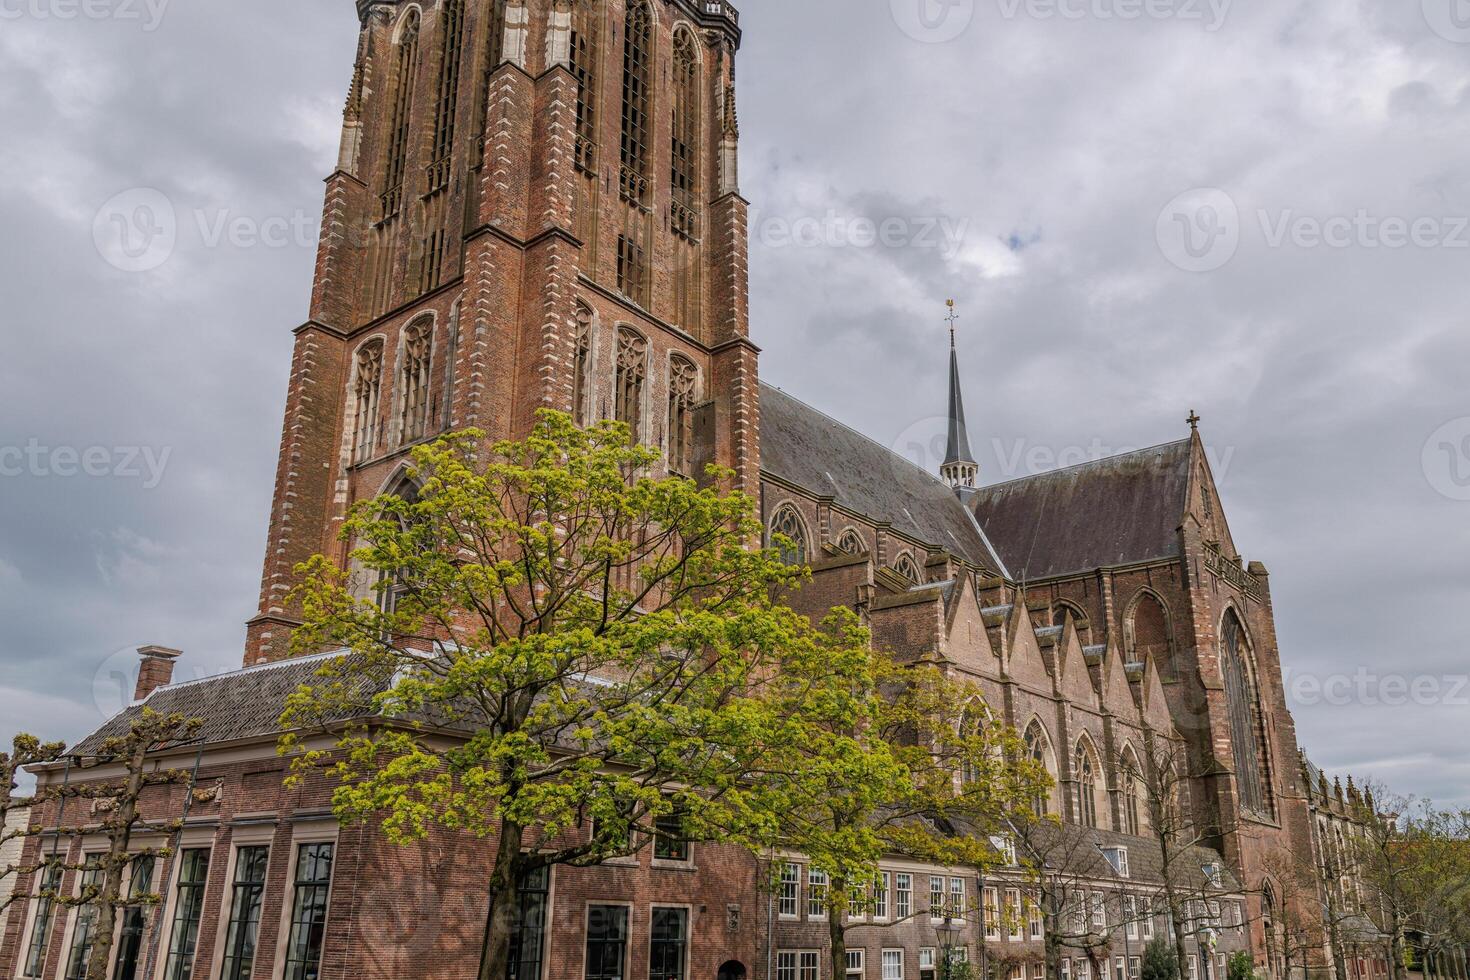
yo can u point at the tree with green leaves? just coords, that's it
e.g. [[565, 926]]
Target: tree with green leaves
[[548, 646], [1161, 962]]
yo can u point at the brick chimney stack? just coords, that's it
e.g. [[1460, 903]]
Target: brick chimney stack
[[156, 671]]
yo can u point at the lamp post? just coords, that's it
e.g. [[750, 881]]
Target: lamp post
[[947, 933]]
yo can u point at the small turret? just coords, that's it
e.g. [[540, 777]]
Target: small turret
[[960, 470]]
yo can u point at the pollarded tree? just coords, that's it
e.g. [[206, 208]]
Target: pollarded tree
[[568, 656], [15, 825]]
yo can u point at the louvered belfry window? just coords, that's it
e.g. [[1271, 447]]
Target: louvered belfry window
[[637, 71], [586, 24], [684, 159], [398, 129], [446, 106]]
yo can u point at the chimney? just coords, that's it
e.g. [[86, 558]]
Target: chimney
[[156, 671]]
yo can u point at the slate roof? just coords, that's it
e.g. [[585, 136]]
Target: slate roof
[[242, 704], [1114, 511], [1081, 848], [814, 451]]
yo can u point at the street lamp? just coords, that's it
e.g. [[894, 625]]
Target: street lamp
[[947, 935]]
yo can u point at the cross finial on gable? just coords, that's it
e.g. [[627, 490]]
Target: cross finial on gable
[[1194, 420]]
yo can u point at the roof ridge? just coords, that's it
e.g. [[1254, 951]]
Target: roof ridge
[[933, 477], [251, 669], [1085, 463]]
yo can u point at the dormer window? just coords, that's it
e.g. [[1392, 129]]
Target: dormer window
[[1118, 858]]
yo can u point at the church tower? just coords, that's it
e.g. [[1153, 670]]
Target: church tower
[[536, 205]]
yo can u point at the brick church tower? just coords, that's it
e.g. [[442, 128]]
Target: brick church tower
[[536, 204]]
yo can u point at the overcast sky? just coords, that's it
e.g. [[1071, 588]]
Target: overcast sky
[[1255, 209]]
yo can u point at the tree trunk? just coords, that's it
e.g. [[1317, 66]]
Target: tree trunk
[[836, 929], [505, 893], [120, 835]]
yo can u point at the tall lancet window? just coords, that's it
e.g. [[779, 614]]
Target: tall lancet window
[[637, 71], [446, 106], [368, 394], [413, 380], [494, 55], [405, 76], [586, 24], [1246, 731], [683, 391], [684, 162], [632, 373], [1086, 786], [582, 367]]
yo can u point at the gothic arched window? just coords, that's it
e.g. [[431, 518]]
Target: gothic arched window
[[1128, 775], [367, 391], [446, 106], [1087, 785], [582, 367], [1038, 750], [683, 393], [632, 372], [1147, 634], [851, 543], [1246, 730], [405, 77], [684, 163], [586, 24], [972, 725], [637, 71], [906, 566], [788, 524], [413, 381], [494, 55], [392, 587]]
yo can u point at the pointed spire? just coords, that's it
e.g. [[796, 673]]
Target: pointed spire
[[960, 469]]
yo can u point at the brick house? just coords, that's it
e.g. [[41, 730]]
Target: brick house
[[537, 204]]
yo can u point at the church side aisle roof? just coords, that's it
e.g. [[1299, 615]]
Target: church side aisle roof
[[802, 446], [1113, 511]]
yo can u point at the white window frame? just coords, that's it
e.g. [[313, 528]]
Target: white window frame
[[818, 887], [957, 890], [860, 971], [1130, 915], [881, 895], [992, 912], [892, 957], [1099, 910], [788, 902], [936, 909], [1015, 931], [1035, 921], [903, 895], [809, 965]]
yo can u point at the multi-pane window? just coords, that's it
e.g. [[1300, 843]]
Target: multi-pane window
[[1130, 915], [668, 944], [1135, 968], [880, 895], [1033, 917], [683, 386], [788, 524], [670, 842], [1066, 969], [41, 928], [797, 965], [816, 894], [413, 381], [405, 76], [637, 66], [632, 270], [1014, 915], [928, 966], [1245, 730], [1130, 797], [313, 885], [810, 968], [790, 902], [856, 966], [893, 964], [1148, 918], [684, 162], [903, 896], [188, 910], [245, 902], [368, 395], [607, 942], [1099, 911], [1084, 969], [85, 934], [957, 905], [134, 919], [585, 23], [632, 372], [936, 898], [446, 106], [992, 913], [528, 938], [1086, 788], [582, 367]]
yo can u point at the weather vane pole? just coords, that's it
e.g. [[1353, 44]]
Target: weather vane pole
[[952, 319]]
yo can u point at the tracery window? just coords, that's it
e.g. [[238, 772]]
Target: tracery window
[[788, 524], [1129, 775], [1086, 787], [1246, 732], [446, 106], [368, 395], [683, 391], [906, 567], [1038, 750], [684, 162], [851, 543], [586, 21], [582, 367], [632, 270], [637, 64], [413, 381], [494, 55], [392, 587], [398, 128], [632, 373]]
